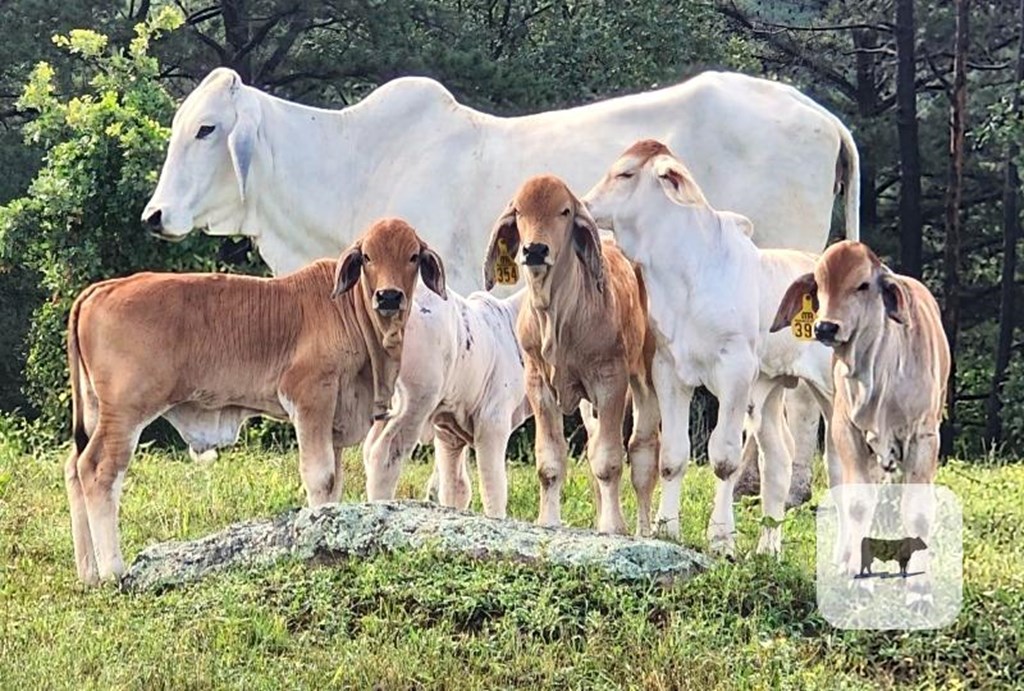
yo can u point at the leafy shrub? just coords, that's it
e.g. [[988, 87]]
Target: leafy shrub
[[79, 222]]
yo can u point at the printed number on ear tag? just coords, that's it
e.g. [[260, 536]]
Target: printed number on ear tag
[[803, 322], [505, 269]]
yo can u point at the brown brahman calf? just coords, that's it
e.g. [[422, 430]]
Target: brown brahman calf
[[584, 332], [207, 351]]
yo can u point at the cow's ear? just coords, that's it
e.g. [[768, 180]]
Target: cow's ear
[[895, 297], [346, 274], [793, 301], [587, 243], [242, 140], [432, 271], [505, 231], [677, 181]]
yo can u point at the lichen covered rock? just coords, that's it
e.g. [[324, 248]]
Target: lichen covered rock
[[343, 531]]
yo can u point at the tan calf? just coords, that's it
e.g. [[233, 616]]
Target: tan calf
[[891, 363], [584, 332], [207, 351]]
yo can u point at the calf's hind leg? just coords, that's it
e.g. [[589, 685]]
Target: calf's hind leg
[[85, 555], [732, 387], [100, 469], [643, 453]]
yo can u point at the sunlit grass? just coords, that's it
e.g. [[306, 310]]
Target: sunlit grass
[[420, 620]]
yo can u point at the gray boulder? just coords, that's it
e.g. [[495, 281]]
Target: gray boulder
[[342, 531]]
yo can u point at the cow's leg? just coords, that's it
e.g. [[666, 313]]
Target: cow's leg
[[774, 461], [674, 408], [384, 456], [856, 497], [85, 555], [550, 447], [731, 384], [918, 512], [607, 457], [749, 481], [101, 468], [803, 417], [454, 488], [490, 439], [643, 452]]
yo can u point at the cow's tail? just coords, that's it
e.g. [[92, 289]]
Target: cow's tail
[[78, 375], [850, 161]]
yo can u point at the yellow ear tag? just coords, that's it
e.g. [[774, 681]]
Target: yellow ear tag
[[505, 269], [803, 322]]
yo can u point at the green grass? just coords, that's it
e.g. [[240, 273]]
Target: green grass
[[417, 620]]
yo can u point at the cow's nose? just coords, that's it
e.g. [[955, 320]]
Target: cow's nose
[[826, 331], [155, 221], [535, 253], [389, 299]]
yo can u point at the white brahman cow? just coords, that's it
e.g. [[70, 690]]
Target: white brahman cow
[[712, 297], [303, 181]]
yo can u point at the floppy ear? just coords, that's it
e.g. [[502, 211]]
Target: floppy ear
[[505, 229], [895, 297], [587, 243], [677, 182], [793, 300], [432, 271], [350, 266], [744, 224], [242, 140]]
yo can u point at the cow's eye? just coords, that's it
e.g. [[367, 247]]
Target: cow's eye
[[863, 286], [565, 212], [625, 176], [414, 258], [205, 131], [366, 259]]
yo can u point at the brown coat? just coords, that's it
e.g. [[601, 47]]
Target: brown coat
[[584, 333], [207, 351]]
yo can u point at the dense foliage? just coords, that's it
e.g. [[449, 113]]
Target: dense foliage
[[79, 222]]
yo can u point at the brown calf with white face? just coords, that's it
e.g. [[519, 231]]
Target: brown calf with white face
[[207, 351], [584, 332], [891, 363]]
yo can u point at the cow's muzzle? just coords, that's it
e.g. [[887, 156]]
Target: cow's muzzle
[[826, 332], [388, 302], [535, 254]]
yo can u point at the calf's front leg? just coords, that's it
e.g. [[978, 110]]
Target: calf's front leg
[[550, 447], [606, 453], [674, 410]]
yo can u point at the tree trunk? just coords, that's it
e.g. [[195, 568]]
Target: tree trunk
[[1011, 231], [865, 41], [906, 127], [954, 197], [236, 31]]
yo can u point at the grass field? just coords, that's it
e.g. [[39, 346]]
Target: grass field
[[417, 620]]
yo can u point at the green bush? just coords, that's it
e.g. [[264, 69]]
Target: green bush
[[79, 222]]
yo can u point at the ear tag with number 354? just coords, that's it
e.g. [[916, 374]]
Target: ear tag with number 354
[[803, 322], [505, 269]]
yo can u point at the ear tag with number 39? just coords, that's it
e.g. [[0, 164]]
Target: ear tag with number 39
[[505, 269], [803, 322]]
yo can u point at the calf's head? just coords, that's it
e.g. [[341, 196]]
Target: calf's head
[[853, 292], [544, 228], [636, 184], [385, 261], [203, 180]]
